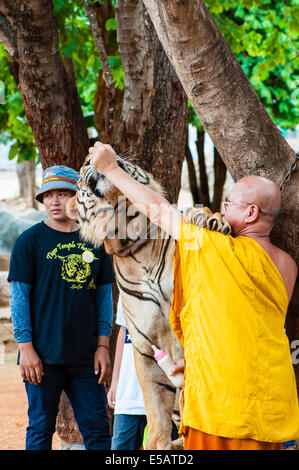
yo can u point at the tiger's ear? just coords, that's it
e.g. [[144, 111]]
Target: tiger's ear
[[71, 208]]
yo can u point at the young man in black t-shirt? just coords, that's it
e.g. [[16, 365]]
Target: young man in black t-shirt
[[61, 302]]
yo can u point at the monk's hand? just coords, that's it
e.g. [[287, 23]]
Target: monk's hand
[[102, 157], [179, 366]]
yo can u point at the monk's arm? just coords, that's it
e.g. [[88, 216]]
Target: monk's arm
[[152, 204]]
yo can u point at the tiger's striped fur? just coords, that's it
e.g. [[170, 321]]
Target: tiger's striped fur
[[144, 273]]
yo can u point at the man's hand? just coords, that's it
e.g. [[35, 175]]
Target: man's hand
[[101, 362], [111, 396], [30, 364], [102, 158], [179, 366]]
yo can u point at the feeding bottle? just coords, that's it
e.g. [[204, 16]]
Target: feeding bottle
[[167, 364]]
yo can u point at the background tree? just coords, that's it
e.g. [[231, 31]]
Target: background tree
[[154, 113], [242, 131]]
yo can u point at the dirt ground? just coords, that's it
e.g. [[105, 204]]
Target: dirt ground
[[13, 408]]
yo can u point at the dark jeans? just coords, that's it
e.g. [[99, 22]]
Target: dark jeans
[[88, 400], [128, 432]]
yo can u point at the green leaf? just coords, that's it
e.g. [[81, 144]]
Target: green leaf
[[110, 24]]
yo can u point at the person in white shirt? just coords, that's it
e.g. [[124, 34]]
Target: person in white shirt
[[125, 395]]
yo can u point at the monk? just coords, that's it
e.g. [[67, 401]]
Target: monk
[[229, 305]]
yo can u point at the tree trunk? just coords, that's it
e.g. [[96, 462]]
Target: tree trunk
[[50, 97], [66, 426], [203, 177], [154, 117], [193, 184], [231, 112], [220, 176], [27, 182], [218, 89]]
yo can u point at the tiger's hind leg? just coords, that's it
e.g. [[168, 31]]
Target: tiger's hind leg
[[159, 399]]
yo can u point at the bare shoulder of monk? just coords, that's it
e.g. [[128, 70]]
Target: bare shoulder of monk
[[287, 267]]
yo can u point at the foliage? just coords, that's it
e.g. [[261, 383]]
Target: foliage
[[13, 123], [76, 41], [262, 34]]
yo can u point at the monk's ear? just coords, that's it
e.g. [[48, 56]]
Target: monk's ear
[[252, 214], [71, 208]]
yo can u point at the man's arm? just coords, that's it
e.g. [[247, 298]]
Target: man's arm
[[149, 202], [104, 329], [30, 364], [105, 309]]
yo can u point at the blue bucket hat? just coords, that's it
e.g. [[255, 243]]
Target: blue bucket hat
[[57, 177]]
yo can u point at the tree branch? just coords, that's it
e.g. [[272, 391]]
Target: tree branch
[[99, 43], [110, 87]]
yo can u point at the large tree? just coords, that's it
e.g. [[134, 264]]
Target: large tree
[[49, 93], [231, 112], [154, 114]]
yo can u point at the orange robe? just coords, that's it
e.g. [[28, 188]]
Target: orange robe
[[198, 440], [228, 311]]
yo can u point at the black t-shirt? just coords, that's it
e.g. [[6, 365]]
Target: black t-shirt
[[63, 272]]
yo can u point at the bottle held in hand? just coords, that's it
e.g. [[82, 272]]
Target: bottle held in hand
[[167, 365]]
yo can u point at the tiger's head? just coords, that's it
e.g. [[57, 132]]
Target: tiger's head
[[102, 211]]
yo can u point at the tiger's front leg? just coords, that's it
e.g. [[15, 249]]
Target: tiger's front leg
[[159, 399]]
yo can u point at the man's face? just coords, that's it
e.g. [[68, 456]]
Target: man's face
[[54, 202], [236, 208]]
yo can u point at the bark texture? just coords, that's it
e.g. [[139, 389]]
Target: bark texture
[[27, 182], [107, 105], [110, 91], [231, 112], [154, 116], [203, 177], [219, 181], [50, 97]]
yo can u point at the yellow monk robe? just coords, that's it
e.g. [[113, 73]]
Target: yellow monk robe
[[228, 311]]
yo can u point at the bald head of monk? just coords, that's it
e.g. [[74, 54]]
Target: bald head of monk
[[253, 206]]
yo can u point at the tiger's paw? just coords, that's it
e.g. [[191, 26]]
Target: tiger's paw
[[197, 216], [216, 224], [203, 217]]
